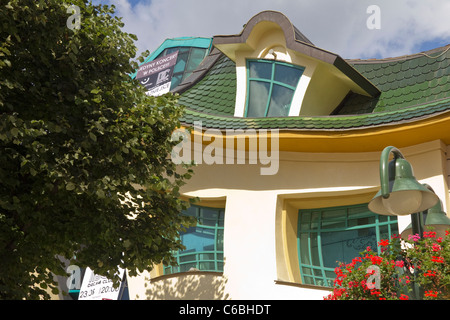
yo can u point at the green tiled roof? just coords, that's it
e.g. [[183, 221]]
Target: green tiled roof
[[319, 122], [413, 80], [216, 92], [413, 87]]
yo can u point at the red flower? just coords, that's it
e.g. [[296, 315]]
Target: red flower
[[437, 259], [404, 297], [383, 243], [430, 234], [357, 259], [376, 260], [374, 292], [431, 293], [399, 264], [436, 247], [430, 273]]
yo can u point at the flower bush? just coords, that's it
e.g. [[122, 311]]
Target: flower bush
[[417, 268]]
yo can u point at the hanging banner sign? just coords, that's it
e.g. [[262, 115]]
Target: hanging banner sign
[[156, 75], [95, 287]]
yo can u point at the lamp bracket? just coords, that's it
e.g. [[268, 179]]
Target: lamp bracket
[[384, 172]]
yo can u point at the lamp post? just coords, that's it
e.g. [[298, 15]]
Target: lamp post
[[401, 194]]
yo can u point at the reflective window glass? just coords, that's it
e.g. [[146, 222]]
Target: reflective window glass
[[270, 88], [329, 236], [204, 242]]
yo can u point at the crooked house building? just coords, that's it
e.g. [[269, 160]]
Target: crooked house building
[[287, 139]]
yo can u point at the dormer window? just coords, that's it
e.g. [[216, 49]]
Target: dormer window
[[271, 86]]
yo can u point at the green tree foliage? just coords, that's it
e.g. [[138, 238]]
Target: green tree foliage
[[77, 138]]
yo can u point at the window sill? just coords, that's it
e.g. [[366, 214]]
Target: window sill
[[305, 286], [188, 273]]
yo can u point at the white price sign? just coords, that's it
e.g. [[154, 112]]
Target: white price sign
[[95, 287]]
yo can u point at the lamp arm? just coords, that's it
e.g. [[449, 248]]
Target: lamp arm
[[426, 185], [384, 168]]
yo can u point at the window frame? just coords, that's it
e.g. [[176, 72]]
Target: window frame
[[271, 81], [179, 76], [322, 279], [218, 255]]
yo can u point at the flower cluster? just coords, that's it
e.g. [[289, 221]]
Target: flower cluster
[[392, 270]]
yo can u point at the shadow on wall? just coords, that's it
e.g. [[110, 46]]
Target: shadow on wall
[[189, 286]]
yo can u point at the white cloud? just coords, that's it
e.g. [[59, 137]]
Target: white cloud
[[337, 26]]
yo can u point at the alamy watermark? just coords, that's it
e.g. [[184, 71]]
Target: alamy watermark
[[74, 21], [374, 20], [258, 147], [374, 280], [74, 280]]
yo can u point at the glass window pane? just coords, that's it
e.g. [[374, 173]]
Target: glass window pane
[[207, 265], [196, 56], [324, 250], [257, 101], [287, 75], [339, 247], [181, 62], [307, 271], [305, 219], [204, 242], [304, 248], [384, 232], [170, 50], [315, 220], [219, 242], [198, 239], [308, 280], [260, 70], [191, 211], [208, 216], [186, 267], [280, 101], [338, 214], [176, 80], [188, 258], [314, 249]]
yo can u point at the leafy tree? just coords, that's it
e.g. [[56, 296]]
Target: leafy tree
[[84, 165]]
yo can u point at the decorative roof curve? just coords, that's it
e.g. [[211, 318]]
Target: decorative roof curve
[[296, 41]]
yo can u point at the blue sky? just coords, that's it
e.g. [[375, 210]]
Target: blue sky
[[405, 26]]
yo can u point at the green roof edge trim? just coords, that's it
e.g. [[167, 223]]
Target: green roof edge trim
[[197, 42], [320, 123]]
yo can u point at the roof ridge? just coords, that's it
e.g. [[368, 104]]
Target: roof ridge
[[427, 54]]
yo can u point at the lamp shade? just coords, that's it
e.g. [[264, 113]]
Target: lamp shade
[[437, 220], [405, 195]]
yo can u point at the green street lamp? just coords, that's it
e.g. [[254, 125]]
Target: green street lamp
[[436, 218], [401, 194]]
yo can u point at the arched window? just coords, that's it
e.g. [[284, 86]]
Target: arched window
[[204, 242], [328, 236], [270, 87]]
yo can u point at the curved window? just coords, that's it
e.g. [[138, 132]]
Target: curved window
[[187, 60], [329, 236], [204, 242], [271, 86]]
